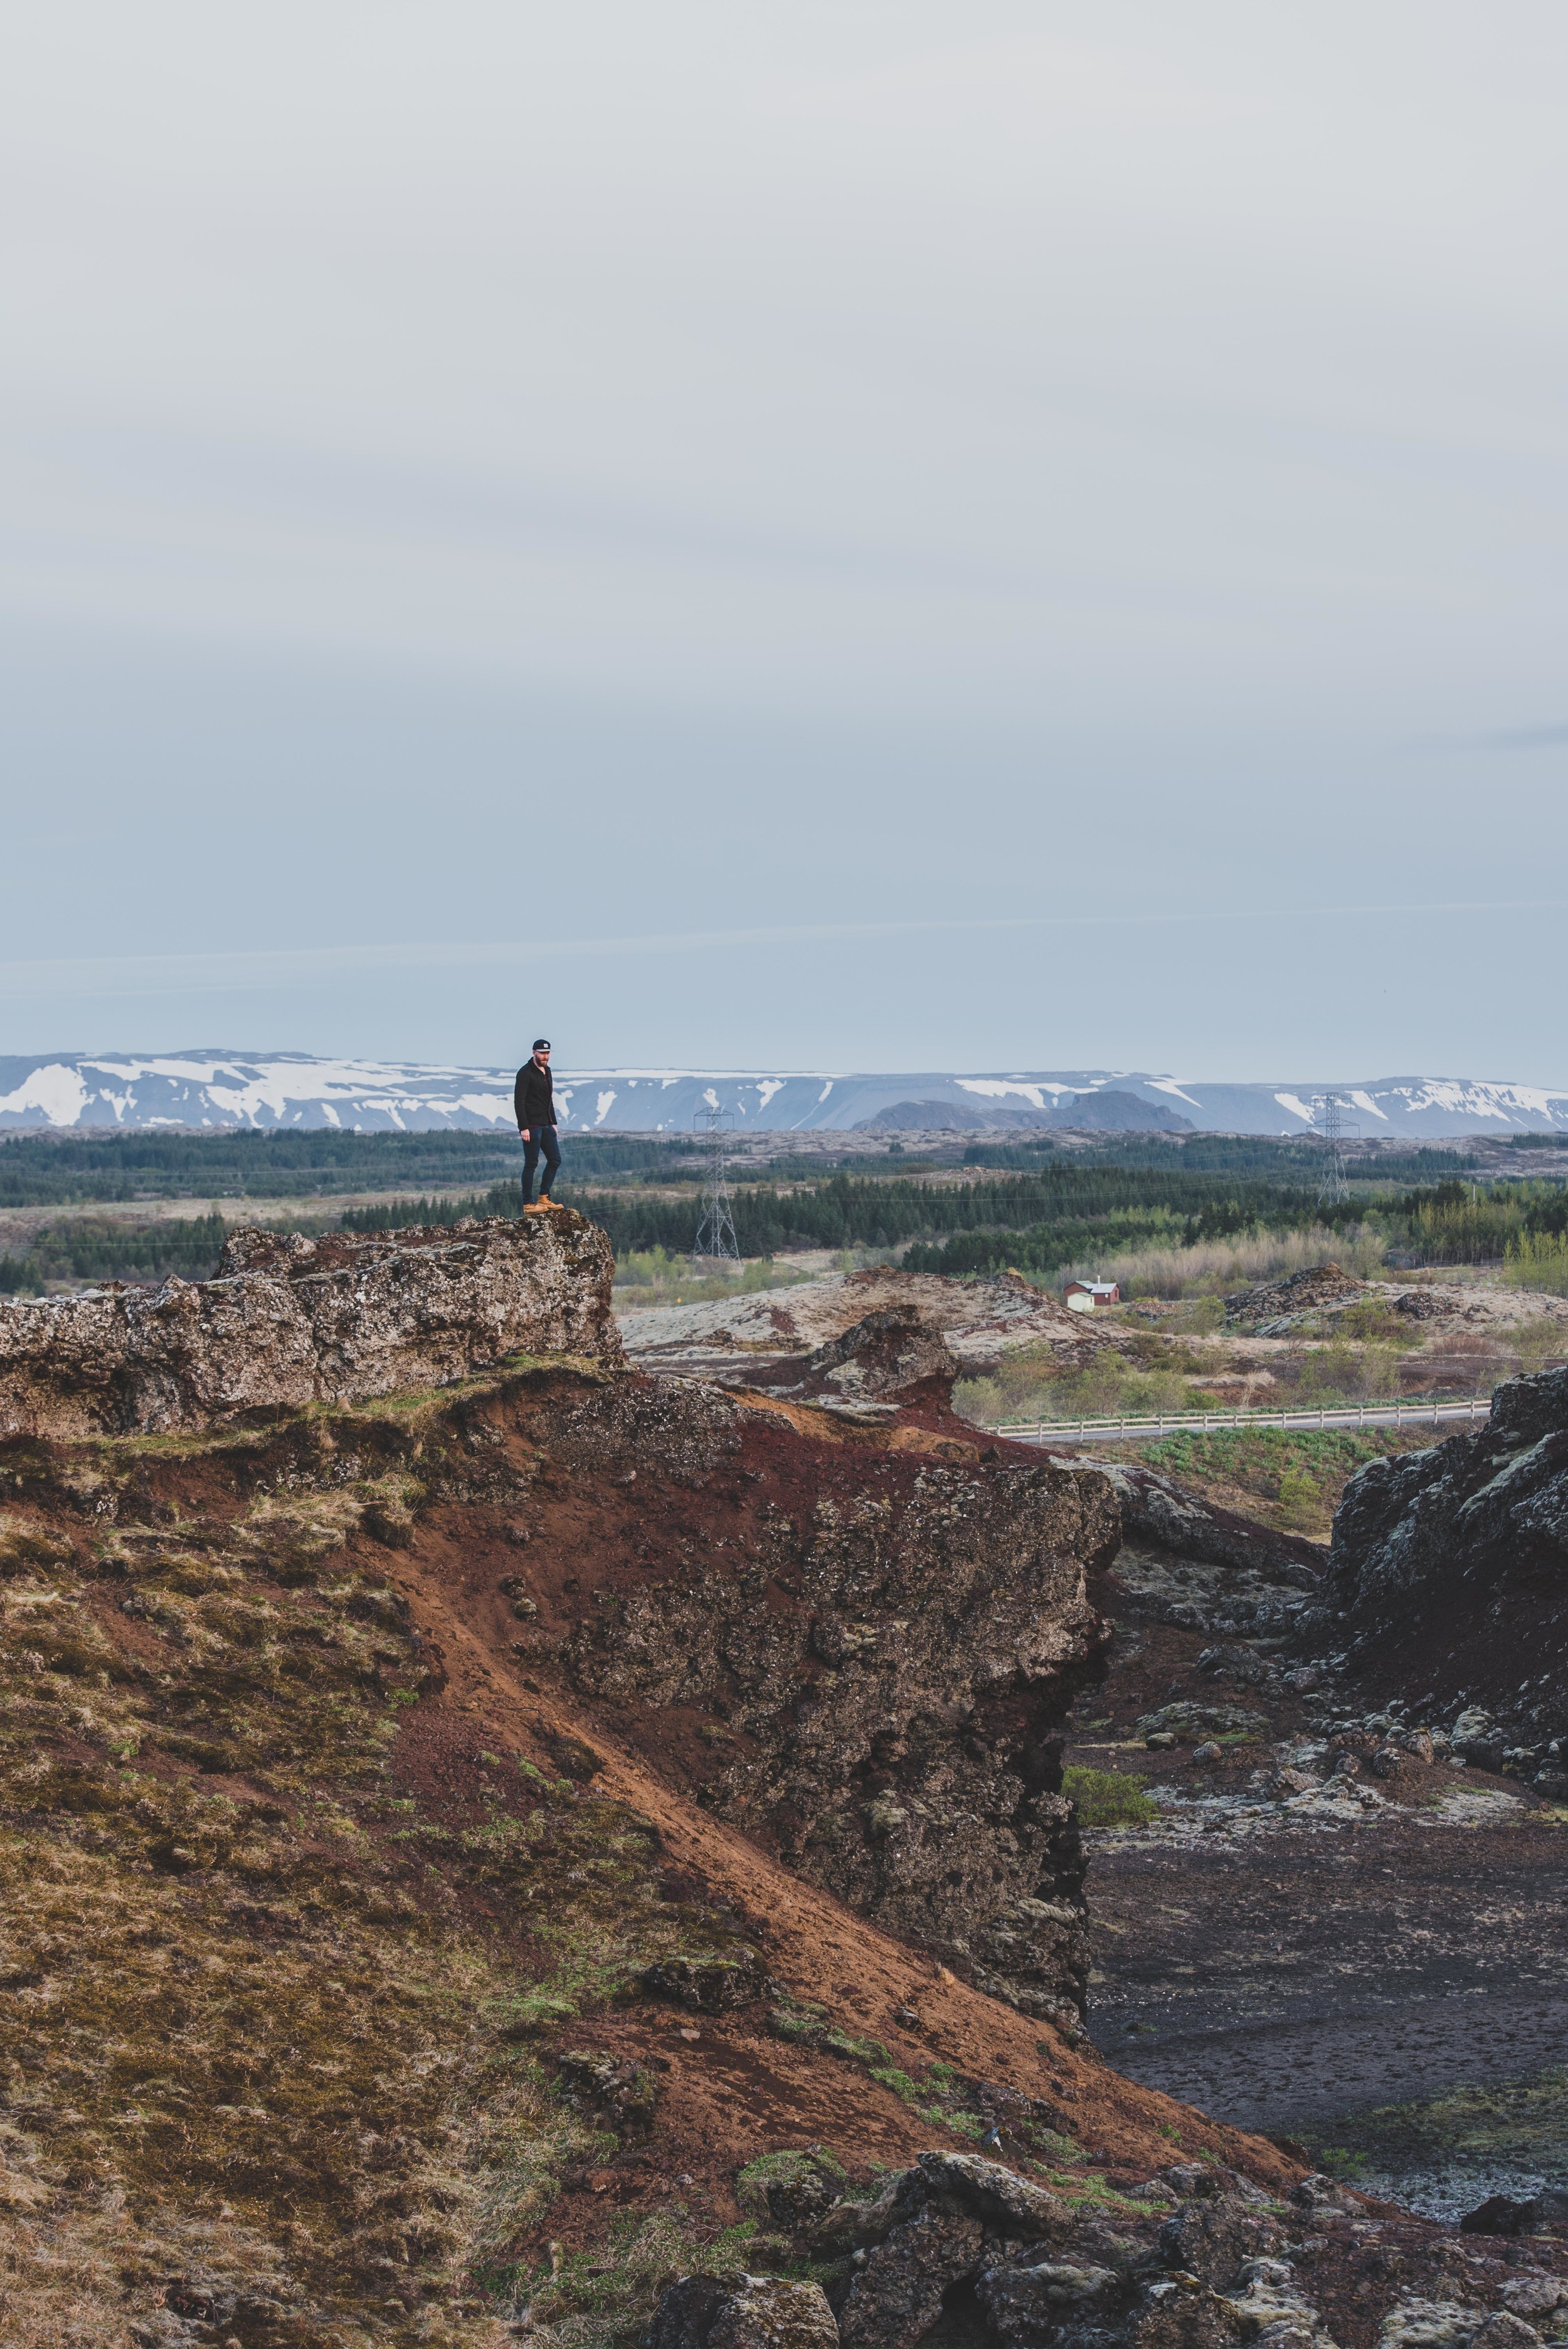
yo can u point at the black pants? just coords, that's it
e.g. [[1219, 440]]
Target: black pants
[[540, 1137]]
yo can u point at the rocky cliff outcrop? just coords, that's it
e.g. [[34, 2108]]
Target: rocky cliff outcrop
[[292, 1321], [861, 1655], [1448, 1568]]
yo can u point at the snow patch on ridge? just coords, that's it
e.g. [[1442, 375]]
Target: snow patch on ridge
[[1169, 1085], [56, 1091]]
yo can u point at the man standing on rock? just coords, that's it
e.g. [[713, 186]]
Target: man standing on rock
[[534, 1102]]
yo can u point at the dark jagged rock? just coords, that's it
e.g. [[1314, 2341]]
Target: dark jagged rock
[[1504, 2214], [1212, 2237], [897, 2292], [290, 1322], [1448, 1567]]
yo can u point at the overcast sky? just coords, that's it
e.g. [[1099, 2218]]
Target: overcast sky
[[844, 535]]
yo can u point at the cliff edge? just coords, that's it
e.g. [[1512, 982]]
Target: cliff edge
[[290, 1322]]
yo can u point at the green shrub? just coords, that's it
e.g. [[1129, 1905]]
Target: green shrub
[[1107, 1799], [1299, 1497]]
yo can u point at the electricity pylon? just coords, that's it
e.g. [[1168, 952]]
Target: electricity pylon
[[716, 1247], [1334, 1189]]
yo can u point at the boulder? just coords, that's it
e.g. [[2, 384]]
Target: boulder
[[793, 2190], [885, 1353], [711, 1984], [1502, 2214], [769, 2312], [742, 2311], [1177, 2312], [1416, 2323], [1028, 2304], [898, 2287], [994, 2193], [1536, 2295], [1504, 2330], [1214, 2237]]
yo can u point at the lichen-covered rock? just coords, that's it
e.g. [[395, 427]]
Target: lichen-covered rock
[[768, 2312], [1031, 2303], [973, 2244], [1504, 2330], [1177, 2313], [1419, 2323], [897, 2290], [794, 2190], [1213, 2238], [742, 2311], [290, 1322], [995, 2194]]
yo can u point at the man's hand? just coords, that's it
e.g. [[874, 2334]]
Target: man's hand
[[522, 1133]]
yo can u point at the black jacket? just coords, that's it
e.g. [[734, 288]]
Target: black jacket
[[534, 1097]]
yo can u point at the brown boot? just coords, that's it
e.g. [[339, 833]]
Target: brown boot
[[534, 1207]]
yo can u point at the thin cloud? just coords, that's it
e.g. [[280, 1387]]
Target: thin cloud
[[1526, 737], [236, 971]]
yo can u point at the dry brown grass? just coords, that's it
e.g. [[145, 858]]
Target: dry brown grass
[[258, 2024]]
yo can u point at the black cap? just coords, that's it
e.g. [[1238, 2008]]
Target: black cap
[[539, 1044]]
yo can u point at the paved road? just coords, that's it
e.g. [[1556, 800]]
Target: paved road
[[1469, 1412]]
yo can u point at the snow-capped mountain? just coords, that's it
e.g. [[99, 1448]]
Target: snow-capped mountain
[[209, 1090]]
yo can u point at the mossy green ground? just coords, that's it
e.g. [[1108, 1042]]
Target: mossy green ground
[[1521, 2127]]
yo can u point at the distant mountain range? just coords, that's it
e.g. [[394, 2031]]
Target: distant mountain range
[[136, 1092]]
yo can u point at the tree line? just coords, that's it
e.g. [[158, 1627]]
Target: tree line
[[100, 1248], [39, 1170]]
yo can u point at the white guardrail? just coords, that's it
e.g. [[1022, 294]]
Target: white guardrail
[[1420, 1411]]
